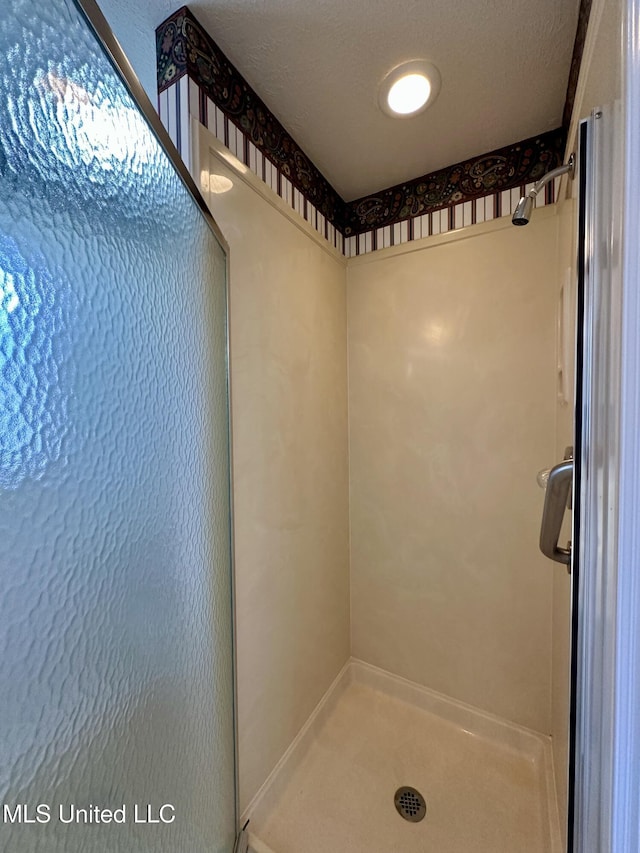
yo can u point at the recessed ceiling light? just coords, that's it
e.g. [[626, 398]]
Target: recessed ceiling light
[[409, 93], [409, 88]]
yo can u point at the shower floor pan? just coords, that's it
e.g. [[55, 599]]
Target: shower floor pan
[[488, 785]]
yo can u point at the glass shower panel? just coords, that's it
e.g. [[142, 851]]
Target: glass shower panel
[[116, 665]]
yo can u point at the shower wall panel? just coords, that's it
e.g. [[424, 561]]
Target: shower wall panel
[[289, 407], [451, 405]]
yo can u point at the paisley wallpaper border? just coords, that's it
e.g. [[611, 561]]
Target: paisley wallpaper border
[[503, 169], [184, 48]]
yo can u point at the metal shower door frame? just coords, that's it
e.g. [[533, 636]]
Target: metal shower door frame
[[607, 768], [103, 32], [597, 472]]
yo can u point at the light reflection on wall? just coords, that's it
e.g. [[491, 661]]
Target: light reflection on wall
[[437, 333], [214, 183]]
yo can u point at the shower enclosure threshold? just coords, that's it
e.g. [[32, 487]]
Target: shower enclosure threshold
[[488, 784]]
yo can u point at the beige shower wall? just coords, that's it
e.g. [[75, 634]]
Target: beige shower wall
[[290, 469], [452, 413]]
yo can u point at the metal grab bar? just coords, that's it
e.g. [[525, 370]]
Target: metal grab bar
[[555, 502]]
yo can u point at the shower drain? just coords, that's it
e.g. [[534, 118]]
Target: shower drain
[[410, 804]]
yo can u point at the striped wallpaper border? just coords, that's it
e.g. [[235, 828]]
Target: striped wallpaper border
[[184, 98], [185, 49], [497, 171], [453, 218]]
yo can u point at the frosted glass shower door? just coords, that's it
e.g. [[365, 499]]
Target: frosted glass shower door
[[116, 664]]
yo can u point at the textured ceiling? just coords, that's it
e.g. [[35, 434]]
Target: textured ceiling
[[317, 65]]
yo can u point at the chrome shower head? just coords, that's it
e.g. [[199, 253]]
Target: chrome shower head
[[522, 213]]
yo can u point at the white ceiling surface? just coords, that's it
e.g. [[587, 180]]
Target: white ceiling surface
[[317, 65]]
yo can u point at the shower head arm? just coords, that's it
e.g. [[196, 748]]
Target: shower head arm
[[552, 175], [524, 209]]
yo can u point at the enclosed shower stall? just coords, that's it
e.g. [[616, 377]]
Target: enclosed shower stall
[[412, 649]]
